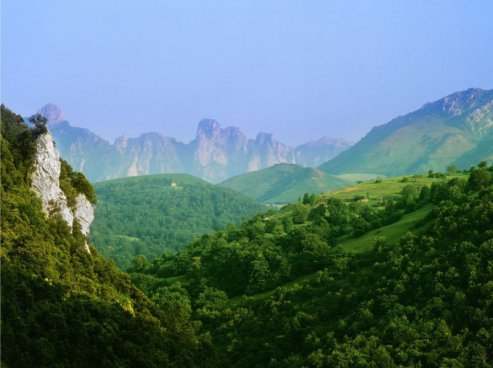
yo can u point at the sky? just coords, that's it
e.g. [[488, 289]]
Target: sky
[[300, 69]]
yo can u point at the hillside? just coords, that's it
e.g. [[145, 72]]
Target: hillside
[[148, 215], [215, 153], [346, 283], [63, 305], [283, 183], [457, 129]]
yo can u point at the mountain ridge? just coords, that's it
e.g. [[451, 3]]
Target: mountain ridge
[[433, 137], [215, 154]]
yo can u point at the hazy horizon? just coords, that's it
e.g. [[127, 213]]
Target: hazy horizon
[[298, 70]]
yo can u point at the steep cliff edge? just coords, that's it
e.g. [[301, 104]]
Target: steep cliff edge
[[46, 184]]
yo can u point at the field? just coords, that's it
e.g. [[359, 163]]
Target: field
[[377, 190]]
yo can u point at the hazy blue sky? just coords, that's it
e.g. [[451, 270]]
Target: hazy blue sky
[[299, 69]]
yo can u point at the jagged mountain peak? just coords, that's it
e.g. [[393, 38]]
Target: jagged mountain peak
[[208, 128], [459, 102], [52, 112]]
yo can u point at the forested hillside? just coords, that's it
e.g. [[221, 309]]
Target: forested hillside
[[405, 280], [63, 306], [148, 215]]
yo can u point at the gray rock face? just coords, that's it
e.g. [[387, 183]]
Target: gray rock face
[[83, 213], [46, 184], [46, 179]]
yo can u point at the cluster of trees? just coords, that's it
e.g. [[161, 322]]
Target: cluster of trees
[[62, 306], [270, 249], [147, 215], [423, 301]]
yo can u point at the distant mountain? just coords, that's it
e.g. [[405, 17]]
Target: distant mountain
[[457, 129], [214, 155], [152, 214], [313, 154], [283, 183]]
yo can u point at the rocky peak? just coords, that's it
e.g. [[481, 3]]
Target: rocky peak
[[46, 184], [121, 142], [208, 128], [233, 132], [52, 112], [459, 102]]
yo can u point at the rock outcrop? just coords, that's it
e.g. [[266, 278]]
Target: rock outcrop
[[46, 184]]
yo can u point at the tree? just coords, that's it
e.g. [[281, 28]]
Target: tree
[[300, 214], [409, 195], [139, 263], [39, 122], [452, 169], [479, 179]]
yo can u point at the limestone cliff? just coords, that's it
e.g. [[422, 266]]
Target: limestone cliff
[[46, 184]]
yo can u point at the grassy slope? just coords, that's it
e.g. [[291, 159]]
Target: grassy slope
[[283, 183], [390, 187], [389, 234]]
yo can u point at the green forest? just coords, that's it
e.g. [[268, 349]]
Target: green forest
[[148, 215], [297, 289], [388, 273]]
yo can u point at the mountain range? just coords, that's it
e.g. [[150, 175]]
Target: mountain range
[[214, 155], [455, 130]]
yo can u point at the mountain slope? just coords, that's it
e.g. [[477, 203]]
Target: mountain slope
[[215, 154], [150, 214], [437, 135], [63, 305], [282, 183]]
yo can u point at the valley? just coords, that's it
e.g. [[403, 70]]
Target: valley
[[284, 266], [246, 184]]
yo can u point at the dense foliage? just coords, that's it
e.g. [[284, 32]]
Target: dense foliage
[[73, 182], [425, 300], [150, 214], [62, 306]]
